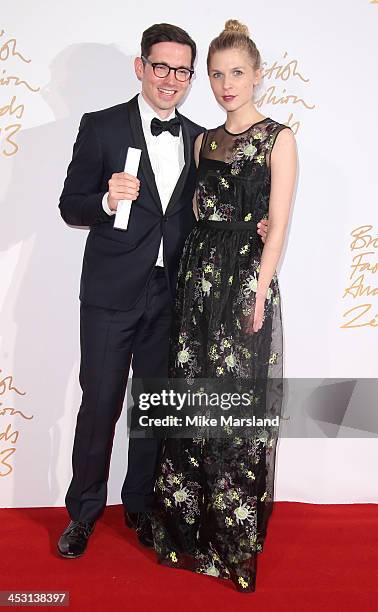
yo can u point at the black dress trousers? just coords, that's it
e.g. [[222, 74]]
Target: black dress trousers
[[110, 341]]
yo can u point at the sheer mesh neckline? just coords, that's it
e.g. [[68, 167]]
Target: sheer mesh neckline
[[244, 131]]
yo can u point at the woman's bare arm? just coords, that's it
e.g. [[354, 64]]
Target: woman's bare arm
[[283, 176]]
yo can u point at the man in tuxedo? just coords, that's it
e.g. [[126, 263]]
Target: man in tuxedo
[[128, 277]]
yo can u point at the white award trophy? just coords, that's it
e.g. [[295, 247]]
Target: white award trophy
[[124, 206]]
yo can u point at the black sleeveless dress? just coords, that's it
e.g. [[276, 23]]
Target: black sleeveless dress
[[214, 495]]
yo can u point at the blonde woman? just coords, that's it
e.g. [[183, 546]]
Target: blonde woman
[[215, 494]]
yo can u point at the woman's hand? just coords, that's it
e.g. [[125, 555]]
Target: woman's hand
[[255, 323]]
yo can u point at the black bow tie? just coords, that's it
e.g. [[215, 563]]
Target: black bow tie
[[172, 126]]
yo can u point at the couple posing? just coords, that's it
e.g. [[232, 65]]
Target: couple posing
[[209, 309]]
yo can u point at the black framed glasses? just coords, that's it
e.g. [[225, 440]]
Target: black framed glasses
[[163, 70]]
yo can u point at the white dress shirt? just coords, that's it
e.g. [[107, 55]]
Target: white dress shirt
[[166, 153]]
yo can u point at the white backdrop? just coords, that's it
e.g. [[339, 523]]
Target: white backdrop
[[59, 60]]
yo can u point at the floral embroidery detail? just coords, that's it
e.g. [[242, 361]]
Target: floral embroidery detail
[[215, 203], [230, 362], [243, 512], [180, 496], [242, 582], [244, 250], [248, 217], [273, 358], [249, 150], [206, 286], [250, 285], [173, 557], [213, 145], [219, 502], [212, 571], [213, 355], [215, 216], [183, 356]]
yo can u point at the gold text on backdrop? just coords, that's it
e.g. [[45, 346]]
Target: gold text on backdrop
[[364, 264], [11, 86]]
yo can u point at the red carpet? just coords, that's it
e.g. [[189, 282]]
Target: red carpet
[[316, 557]]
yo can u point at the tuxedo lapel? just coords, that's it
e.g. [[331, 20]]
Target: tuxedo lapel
[[184, 173], [140, 143]]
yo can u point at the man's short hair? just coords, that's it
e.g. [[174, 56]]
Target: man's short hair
[[166, 32]]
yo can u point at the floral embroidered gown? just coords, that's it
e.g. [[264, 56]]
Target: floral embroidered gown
[[214, 495]]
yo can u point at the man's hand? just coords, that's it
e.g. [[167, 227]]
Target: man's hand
[[262, 229], [122, 186]]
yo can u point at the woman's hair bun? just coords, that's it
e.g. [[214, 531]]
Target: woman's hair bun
[[233, 25]]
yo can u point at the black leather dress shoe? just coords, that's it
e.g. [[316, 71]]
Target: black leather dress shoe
[[73, 541], [141, 522]]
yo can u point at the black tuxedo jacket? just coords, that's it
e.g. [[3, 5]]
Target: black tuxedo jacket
[[117, 264]]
